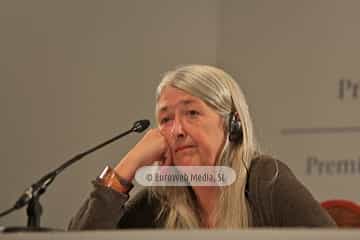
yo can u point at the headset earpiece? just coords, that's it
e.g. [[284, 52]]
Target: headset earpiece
[[235, 129]]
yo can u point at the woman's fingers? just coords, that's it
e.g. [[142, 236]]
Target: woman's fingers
[[167, 159], [152, 148], [167, 156]]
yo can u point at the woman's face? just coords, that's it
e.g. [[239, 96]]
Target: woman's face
[[193, 130]]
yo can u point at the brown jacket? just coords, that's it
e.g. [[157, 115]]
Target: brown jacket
[[284, 202]]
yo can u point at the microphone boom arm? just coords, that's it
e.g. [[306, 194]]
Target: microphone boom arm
[[31, 195]]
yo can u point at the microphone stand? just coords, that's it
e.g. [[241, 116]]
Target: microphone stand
[[32, 194]]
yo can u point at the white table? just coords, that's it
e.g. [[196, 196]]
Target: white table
[[251, 234]]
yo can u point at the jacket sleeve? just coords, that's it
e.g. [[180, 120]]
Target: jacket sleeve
[[102, 210], [279, 199], [294, 205]]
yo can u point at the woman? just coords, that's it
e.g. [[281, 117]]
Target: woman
[[203, 120]]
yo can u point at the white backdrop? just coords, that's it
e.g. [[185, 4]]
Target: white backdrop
[[298, 62], [75, 73]]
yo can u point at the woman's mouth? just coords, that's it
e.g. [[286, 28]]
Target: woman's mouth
[[183, 148]]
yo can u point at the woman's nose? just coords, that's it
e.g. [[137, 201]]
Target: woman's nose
[[177, 130]]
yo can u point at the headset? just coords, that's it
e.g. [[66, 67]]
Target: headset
[[236, 137], [235, 128]]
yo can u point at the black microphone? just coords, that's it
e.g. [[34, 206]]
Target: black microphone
[[38, 188], [141, 125]]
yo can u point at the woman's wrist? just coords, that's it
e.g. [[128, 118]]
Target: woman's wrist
[[110, 178], [127, 167]]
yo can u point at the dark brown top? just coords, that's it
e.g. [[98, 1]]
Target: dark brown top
[[284, 202]]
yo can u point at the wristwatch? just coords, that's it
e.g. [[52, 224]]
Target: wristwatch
[[110, 178]]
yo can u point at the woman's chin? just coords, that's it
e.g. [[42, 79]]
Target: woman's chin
[[185, 162]]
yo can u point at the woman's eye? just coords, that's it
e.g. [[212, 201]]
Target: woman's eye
[[164, 120], [193, 113]]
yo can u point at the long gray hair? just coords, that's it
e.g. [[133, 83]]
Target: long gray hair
[[219, 91]]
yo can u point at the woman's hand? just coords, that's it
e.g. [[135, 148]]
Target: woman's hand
[[152, 148]]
